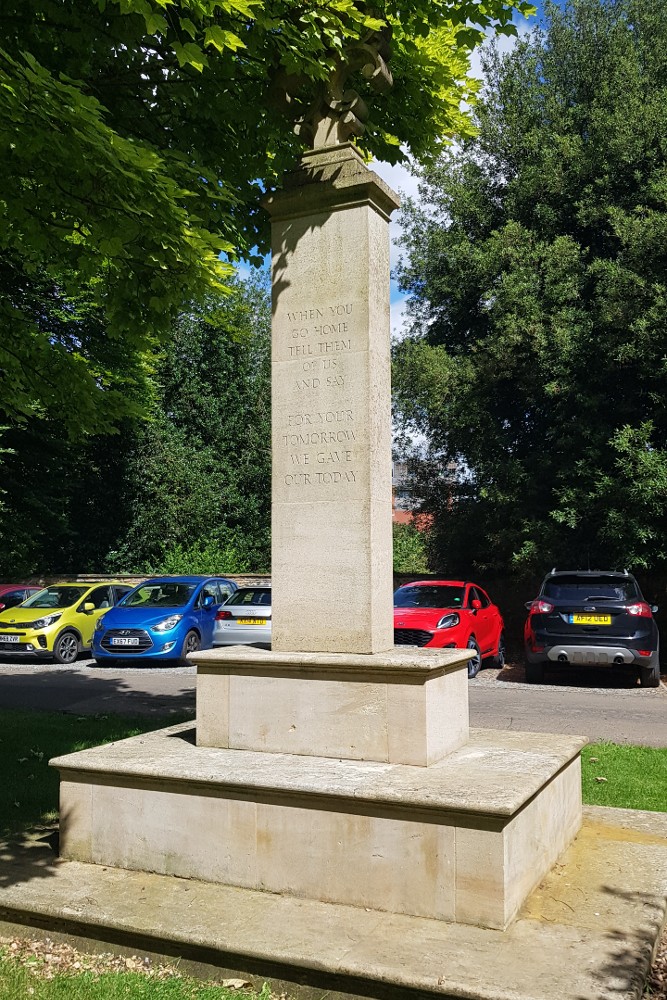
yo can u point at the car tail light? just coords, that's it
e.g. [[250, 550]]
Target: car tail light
[[223, 616], [540, 608], [1, 607], [641, 610]]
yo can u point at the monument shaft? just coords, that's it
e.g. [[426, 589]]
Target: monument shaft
[[331, 510]]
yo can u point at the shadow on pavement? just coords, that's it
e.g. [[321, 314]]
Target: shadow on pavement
[[85, 693], [33, 855], [584, 677]]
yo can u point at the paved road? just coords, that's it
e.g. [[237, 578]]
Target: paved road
[[90, 690], [624, 715]]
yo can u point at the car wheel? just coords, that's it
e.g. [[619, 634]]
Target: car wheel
[[66, 648], [534, 673], [649, 677], [475, 664], [499, 658], [191, 644]]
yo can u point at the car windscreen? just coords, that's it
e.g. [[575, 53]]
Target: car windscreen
[[429, 597], [250, 595], [159, 595], [56, 597], [589, 588]]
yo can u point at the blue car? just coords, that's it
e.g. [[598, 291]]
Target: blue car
[[161, 619]]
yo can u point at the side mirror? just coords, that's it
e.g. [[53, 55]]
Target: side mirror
[[88, 607], [654, 609], [476, 604], [208, 601], [528, 605]]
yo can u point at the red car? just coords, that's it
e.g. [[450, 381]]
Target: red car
[[440, 614], [12, 594]]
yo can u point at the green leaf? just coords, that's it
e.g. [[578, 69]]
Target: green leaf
[[221, 39]]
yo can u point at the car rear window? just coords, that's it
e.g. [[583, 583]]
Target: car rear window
[[429, 597], [577, 588], [251, 595]]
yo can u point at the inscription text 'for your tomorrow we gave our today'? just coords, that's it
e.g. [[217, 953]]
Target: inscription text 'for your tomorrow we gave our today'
[[319, 437]]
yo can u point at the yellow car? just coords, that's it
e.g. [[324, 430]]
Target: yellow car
[[58, 622]]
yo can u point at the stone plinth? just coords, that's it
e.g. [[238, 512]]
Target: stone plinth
[[331, 481], [404, 707], [463, 840]]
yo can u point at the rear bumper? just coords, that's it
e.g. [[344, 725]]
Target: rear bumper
[[239, 636], [593, 655]]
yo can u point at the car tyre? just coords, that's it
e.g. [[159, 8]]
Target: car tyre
[[474, 665], [499, 658], [66, 648], [191, 644], [534, 673], [649, 677]]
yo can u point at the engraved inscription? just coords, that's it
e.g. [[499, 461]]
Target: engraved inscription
[[318, 336], [319, 478], [331, 382], [327, 417], [318, 438], [321, 347]]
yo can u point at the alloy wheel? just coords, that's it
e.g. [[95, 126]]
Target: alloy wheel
[[475, 664], [66, 649], [191, 643]]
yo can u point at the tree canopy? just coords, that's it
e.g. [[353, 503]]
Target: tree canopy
[[186, 490], [536, 271], [136, 139]]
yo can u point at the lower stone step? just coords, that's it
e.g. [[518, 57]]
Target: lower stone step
[[587, 932]]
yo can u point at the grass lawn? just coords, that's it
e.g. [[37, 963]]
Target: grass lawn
[[29, 976], [625, 776], [613, 775]]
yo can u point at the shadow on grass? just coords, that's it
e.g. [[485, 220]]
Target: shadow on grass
[[29, 791]]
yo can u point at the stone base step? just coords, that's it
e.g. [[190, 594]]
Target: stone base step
[[463, 840]]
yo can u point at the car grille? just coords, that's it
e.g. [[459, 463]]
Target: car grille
[[411, 637], [145, 641]]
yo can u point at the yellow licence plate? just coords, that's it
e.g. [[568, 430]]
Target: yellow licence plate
[[251, 621], [590, 619]]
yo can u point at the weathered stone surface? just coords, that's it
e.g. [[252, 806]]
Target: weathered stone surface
[[465, 839], [404, 707], [586, 933], [331, 492]]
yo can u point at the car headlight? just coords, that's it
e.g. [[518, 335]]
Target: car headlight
[[167, 623], [448, 621], [45, 622], [99, 624]]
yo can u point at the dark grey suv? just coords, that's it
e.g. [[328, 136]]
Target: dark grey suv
[[587, 617]]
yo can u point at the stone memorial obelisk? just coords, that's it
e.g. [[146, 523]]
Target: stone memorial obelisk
[[333, 767], [331, 562], [331, 512]]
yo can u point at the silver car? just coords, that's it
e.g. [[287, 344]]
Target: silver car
[[245, 619]]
